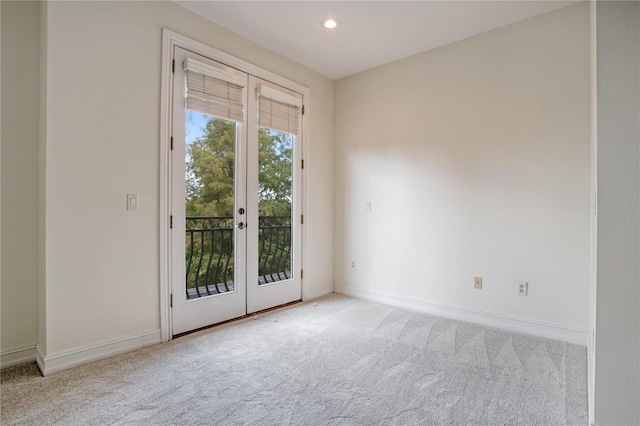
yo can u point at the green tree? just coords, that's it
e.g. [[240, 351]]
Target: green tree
[[211, 168], [210, 171], [274, 184]]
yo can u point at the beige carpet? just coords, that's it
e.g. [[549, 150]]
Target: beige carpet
[[342, 361]]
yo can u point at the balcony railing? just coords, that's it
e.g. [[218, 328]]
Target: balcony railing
[[210, 253]]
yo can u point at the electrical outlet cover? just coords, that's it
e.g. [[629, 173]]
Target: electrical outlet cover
[[523, 288]]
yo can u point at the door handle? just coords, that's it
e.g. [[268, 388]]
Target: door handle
[[241, 225]]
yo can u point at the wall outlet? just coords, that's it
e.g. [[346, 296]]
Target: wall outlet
[[523, 288], [477, 283], [353, 264]]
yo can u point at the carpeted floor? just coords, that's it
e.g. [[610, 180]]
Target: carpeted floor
[[334, 361]]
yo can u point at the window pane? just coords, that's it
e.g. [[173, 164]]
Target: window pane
[[275, 187], [210, 182]]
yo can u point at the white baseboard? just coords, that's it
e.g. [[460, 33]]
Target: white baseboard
[[17, 356], [62, 361], [506, 322], [318, 292]]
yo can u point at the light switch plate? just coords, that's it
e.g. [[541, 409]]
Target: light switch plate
[[132, 201]]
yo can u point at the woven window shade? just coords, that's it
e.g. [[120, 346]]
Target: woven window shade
[[279, 111], [212, 92]]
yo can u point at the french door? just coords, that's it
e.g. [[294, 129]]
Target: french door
[[235, 191]]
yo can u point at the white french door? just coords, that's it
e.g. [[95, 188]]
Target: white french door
[[273, 180], [235, 191]]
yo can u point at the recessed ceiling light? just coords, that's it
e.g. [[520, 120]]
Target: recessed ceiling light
[[330, 23]]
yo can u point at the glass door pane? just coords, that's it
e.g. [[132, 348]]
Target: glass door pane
[[209, 205], [275, 189]]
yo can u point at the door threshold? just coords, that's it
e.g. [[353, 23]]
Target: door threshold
[[207, 327]]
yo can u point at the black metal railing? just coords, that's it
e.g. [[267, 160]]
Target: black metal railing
[[210, 253], [274, 249]]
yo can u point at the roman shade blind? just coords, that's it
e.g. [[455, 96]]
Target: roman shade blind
[[213, 91], [279, 111]]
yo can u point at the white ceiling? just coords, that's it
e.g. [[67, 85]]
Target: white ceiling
[[371, 33]]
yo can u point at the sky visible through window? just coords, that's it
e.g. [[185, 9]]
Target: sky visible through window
[[196, 124]]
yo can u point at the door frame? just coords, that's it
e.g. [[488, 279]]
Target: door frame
[[171, 39]]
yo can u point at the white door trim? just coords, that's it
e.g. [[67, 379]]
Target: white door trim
[[170, 40]]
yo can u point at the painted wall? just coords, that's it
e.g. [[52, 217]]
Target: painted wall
[[102, 141], [20, 115], [617, 355], [475, 158]]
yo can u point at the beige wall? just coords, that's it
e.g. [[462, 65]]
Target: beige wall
[[475, 157], [102, 141], [20, 111], [617, 349]]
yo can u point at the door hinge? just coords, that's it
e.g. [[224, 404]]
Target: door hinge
[[171, 143], [171, 300], [302, 219], [302, 109], [303, 163], [171, 222], [301, 273], [173, 66]]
